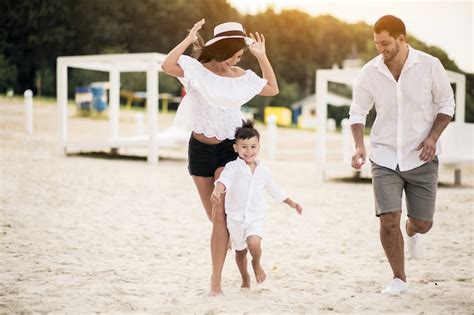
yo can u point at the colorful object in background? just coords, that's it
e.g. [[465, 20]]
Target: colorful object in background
[[282, 115], [99, 97], [83, 99]]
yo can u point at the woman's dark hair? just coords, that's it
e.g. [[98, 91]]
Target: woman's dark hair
[[247, 130], [393, 25], [219, 51]]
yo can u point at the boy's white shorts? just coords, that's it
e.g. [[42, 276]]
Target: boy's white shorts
[[240, 231]]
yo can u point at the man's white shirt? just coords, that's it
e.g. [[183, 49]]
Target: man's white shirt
[[244, 199], [406, 109]]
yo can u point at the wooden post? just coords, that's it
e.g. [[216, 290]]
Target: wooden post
[[457, 177], [165, 104], [61, 98], [28, 111], [321, 118], [152, 112], [114, 105]]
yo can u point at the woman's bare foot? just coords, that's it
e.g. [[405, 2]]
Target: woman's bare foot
[[216, 289], [245, 282], [259, 273], [215, 292]]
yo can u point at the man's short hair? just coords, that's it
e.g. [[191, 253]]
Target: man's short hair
[[393, 25]]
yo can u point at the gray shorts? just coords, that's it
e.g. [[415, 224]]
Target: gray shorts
[[420, 185]]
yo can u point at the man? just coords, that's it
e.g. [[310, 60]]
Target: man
[[414, 103]]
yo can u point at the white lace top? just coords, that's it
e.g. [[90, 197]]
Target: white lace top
[[212, 103]]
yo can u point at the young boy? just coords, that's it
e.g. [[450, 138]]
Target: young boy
[[243, 182]]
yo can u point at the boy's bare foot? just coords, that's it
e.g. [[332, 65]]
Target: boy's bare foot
[[259, 273], [245, 281]]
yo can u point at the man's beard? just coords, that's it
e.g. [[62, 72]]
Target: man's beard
[[392, 54]]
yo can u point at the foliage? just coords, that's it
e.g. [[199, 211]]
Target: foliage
[[469, 114], [7, 74], [33, 33]]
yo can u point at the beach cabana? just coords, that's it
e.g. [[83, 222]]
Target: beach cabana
[[457, 140], [114, 64]]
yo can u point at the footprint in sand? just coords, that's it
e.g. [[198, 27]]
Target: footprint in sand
[[327, 307], [260, 291], [451, 263], [4, 309], [366, 286]]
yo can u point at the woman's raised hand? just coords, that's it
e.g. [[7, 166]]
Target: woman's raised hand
[[192, 36], [258, 46]]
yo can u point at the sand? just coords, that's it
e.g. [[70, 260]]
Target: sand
[[90, 234]]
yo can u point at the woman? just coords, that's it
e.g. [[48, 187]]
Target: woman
[[216, 89]]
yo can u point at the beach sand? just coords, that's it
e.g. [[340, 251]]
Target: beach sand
[[90, 234]]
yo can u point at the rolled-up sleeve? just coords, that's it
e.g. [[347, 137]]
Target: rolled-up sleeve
[[274, 191], [443, 96], [227, 176], [362, 101]]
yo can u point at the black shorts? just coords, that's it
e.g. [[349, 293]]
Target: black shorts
[[204, 159]]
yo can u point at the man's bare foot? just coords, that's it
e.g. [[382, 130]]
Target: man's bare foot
[[216, 289], [259, 273], [245, 281]]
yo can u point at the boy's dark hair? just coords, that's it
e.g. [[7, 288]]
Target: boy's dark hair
[[247, 131], [219, 51], [393, 25]]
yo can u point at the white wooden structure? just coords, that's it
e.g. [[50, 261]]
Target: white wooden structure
[[457, 140], [114, 64], [307, 119]]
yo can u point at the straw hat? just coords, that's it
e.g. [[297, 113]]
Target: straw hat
[[229, 30]]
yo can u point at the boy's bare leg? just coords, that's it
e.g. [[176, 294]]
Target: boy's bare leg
[[253, 243], [241, 260]]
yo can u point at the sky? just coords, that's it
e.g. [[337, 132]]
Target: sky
[[447, 24]]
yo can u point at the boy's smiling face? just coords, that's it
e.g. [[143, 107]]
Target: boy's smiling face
[[247, 149]]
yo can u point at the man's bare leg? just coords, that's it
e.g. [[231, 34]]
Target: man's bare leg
[[417, 226], [392, 242]]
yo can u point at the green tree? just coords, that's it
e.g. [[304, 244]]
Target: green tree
[[7, 75], [33, 33]]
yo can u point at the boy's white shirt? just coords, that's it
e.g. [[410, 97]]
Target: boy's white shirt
[[244, 200]]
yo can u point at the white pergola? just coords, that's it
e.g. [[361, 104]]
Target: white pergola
[[348, 76], [114, 64]]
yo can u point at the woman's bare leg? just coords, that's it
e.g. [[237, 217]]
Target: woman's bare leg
[[219, 243], [219, 236], [205, 186]]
